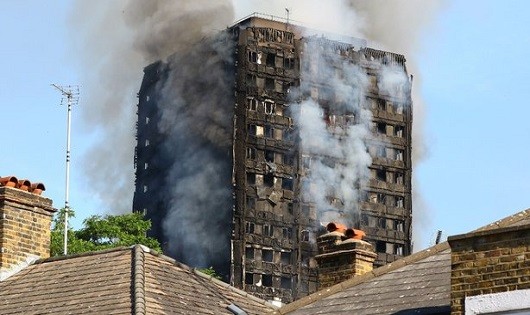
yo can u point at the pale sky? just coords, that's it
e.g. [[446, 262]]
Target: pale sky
[[473, 61]]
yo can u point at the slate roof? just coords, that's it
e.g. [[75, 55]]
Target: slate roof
[[132, 280], [417, 284]]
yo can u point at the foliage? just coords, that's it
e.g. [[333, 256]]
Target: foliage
[[211, 272], [101, 232]]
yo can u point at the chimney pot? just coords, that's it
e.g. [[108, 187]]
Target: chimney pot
[[37, 188], [336, 227], [354, 234], [24, 184], [9, 181]]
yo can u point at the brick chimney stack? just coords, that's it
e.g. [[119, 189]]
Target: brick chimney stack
[[342, 254], [25, 221]]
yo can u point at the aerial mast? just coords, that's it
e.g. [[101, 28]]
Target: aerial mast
[[70, 93]]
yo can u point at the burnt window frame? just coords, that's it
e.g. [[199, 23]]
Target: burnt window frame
[[270, 60], [268, 230], [250, 227], [267, 255]]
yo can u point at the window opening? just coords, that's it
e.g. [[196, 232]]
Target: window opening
[[380, 175], [252, 104], [287, 233], [269, 84], [271, 60], [269, 107], [266, 280], [286, 283], [251, 202], [304, 236], [269, 156], [249, 253], [252, 56], [251, 153], [251, 178], [268, 230], [398, 131], [287, 183], [399, 178], [400, 202], [249, 278], [249, 227], [285, 258], [268, 180], [399, 155], [266, 255]]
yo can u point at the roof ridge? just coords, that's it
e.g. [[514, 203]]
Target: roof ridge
[[362, 278], [506, 221], [138, 280], [84, 254]]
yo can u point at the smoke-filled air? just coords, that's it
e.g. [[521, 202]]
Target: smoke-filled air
[[334, 153], [116, 40]]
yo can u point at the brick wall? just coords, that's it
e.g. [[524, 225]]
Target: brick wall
[[340, 260], [487, 262], [25, 220]]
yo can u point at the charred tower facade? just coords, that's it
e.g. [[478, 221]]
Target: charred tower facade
[[282, 183]]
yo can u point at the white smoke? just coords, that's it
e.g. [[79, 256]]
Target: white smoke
[[337, 148]]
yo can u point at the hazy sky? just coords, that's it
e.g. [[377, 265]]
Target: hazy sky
[[476, 82]]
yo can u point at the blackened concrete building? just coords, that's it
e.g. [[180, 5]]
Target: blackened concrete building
[[274, 219]]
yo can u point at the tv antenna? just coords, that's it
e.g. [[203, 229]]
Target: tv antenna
[[70, 95], [287, 12]]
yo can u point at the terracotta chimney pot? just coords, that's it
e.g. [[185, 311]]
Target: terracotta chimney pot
[[24, 184], [336, 227], [9, 181], [37, 188], [354, 234]]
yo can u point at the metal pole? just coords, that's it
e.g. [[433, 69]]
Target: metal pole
[[67, 190], [71, 97]]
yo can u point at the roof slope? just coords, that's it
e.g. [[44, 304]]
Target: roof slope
[[120, 281], [417, 284]]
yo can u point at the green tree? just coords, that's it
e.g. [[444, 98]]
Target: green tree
[[101, 232], [211, 272]]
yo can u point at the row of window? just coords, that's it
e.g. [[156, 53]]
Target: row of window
[[269, 107], [381, 198], [269, 84], [385, 106], [383, 128], [388, 176], [268, 255], [269, 156], [271, 60], [388, 153], [389, 248], [266, 280], [269, 180], [267, 230], [384, 223], [269, 131]]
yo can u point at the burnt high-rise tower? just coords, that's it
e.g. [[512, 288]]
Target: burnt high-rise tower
[[249, 140]]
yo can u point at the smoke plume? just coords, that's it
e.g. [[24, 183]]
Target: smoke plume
[[337, 150], [197, 108], [115, 40]]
